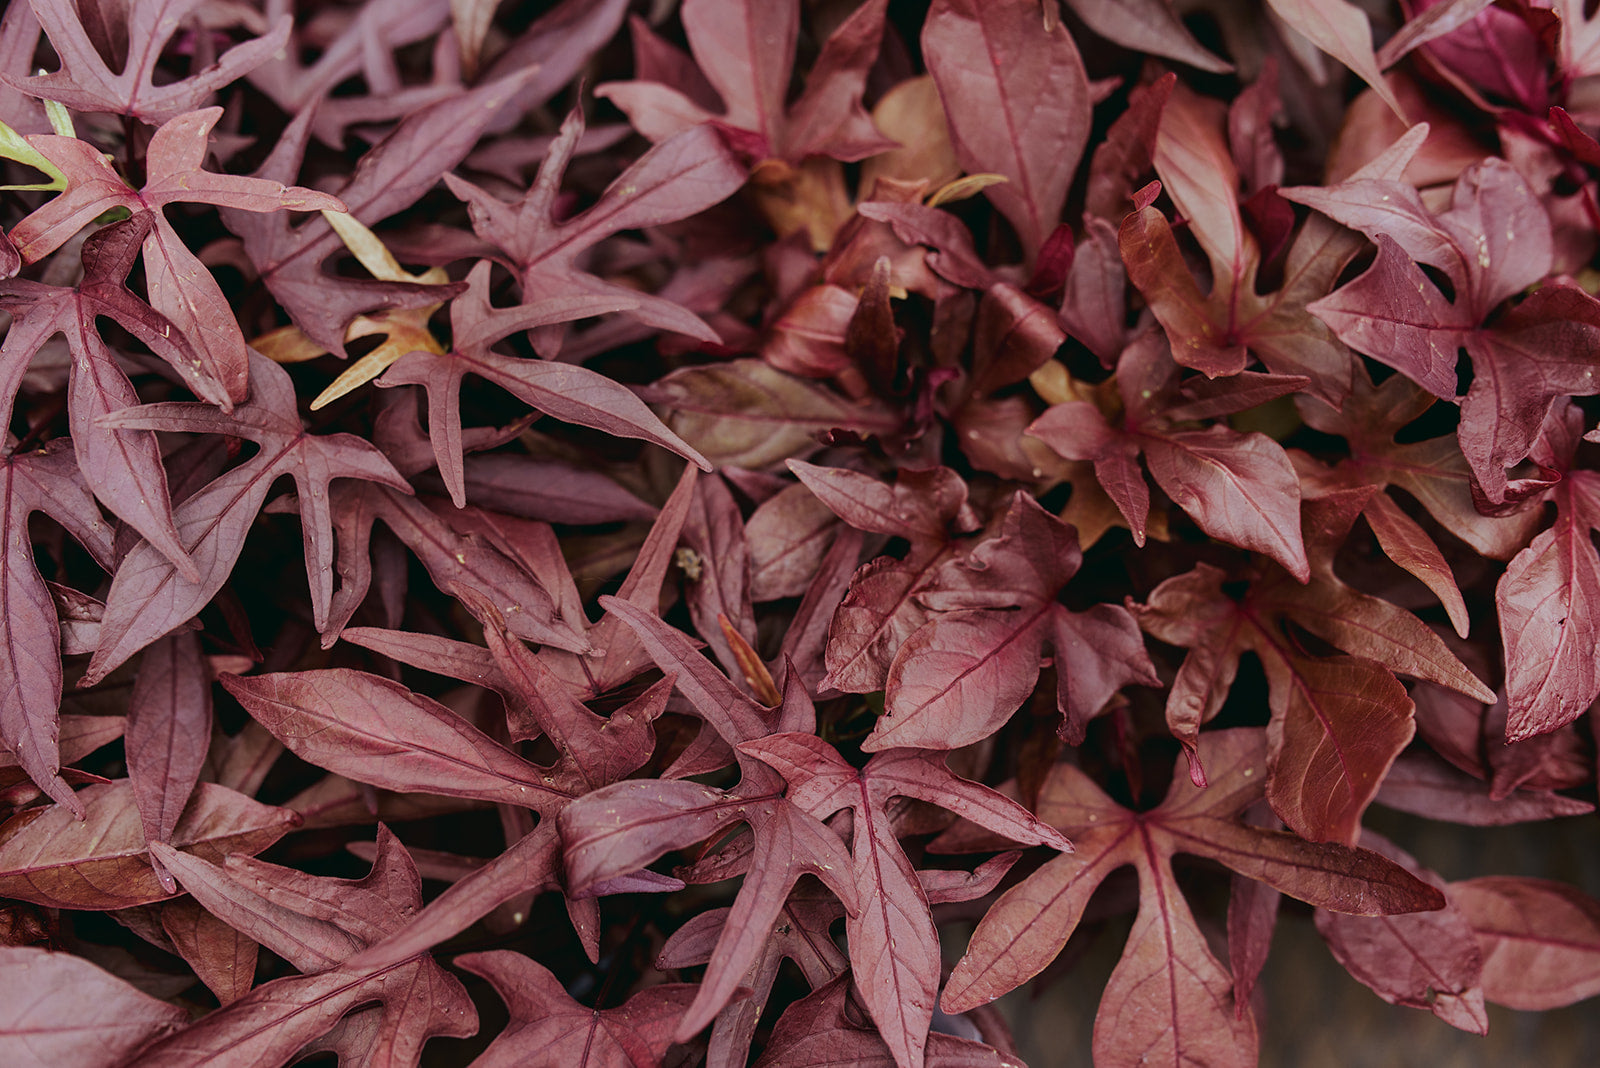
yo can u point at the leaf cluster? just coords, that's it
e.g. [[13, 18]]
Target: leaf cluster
[[574, 509]]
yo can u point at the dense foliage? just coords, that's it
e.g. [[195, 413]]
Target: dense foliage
[[875, 471]]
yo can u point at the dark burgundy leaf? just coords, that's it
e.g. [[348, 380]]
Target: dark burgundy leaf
[[1426, 786], [680, 177], [1492, 243], [376, 731], [1239, 488], [122, 467], [1358, 713], [275, 1020], [531, 864], [1212, 332], [824, 1029], [747, 413], [455, 555], [794, 655], [575, 394], [962, 673], [623, 827], [801, 934], [181, 288], [389, 178]]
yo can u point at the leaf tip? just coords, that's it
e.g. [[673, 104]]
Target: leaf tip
[[164, 877], [75, 806], [1464, 1011]]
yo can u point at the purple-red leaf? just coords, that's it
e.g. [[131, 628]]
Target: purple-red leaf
[[223, 958], [48, 857], [826, 1029], [1337, 724], [272, 1023], [1169, 994], [1240, 488], [625, 826], [574, 394], [1146, 26], [745, 50], [181, 288], [390, 177], [149, 596], [1492, 243], [47, 480], [894, 948], [314, 923], [60, 1011], [967, 669], [1425, 785], [1339, 28], [678, 178], [1425, 960], [376, 731], [168, 734], [85, 81], [801, 935], [121, 466], [1017, 100], [1540, 940], [547, 1024]]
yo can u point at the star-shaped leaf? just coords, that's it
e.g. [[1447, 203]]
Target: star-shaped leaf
[[1169, 1000], [894, 948], [390, 177], [148, 596], [181, 287], [1492, 243], [122, 466], [574, 394], [623, 827], [546, 1023], [1214, 331], [674, 180], [85, 82]]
